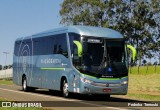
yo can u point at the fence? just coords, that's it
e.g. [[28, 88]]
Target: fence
[[155, 69], [6, 74]]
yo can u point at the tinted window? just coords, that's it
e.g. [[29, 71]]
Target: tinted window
[[16, 48], [60, 46], [72, 37], [55, 44], [44, 45], [23, 48]]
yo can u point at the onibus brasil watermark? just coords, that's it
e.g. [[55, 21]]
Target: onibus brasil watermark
[[21, 104]]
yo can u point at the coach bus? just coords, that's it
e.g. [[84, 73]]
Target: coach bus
[[73, 59]]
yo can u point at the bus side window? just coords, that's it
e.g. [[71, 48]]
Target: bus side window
[[55, 49], [60, 50], [61, 45], [16, 48]]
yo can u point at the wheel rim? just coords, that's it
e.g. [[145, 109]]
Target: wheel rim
[[65, 89], [24, 84]]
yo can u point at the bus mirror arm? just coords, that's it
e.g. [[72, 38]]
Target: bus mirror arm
[[134, 52], [79, 47]]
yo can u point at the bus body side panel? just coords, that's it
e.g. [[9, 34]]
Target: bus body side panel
[[74, 81], [23, 60], [16, 68], [71, 74], [16, 75], [34, 76], [51, 68]]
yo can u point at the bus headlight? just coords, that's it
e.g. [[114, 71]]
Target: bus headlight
[[85, 80], [124, 82]]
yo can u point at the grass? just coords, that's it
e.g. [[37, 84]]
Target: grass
[[147, 83], [2, 99], [144, 86], [7, 82], [148, 97]]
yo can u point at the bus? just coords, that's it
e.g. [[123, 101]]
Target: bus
[[73, 59]]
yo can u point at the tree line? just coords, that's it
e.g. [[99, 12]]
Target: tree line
[[137, 20], [5, 67]]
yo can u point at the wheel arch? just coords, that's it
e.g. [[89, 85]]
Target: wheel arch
[[61, 82]]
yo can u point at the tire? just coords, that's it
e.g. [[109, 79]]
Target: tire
[[25, 88], [24, 84], [65, 89]]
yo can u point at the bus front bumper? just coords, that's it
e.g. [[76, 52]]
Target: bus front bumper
[[104, 88]]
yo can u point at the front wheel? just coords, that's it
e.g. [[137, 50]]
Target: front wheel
[[65, 88]]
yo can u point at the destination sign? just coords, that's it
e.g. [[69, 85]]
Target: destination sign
[[94, 41]]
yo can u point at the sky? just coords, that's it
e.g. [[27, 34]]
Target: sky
[[20, 18]]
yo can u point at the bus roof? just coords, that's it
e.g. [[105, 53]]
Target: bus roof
[[83, 31]]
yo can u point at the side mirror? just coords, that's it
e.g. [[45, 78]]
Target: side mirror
[[134, 52], [79, 48]]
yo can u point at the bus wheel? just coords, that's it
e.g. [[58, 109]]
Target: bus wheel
[[24, 84], [65, 88]]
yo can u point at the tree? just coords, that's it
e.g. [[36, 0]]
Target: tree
[[155, 66], [144, 62], [5, 67], [0, 67], [156, 46], [9, 66], [82, 12], [135, 19]]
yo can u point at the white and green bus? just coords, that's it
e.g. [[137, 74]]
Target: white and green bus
[[73, 59]]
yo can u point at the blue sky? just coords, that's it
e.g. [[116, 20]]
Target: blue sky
[[19, 18]]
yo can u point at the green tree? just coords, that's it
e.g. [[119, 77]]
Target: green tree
[[0, 67], [9, 66], [156, 11], [144, 62], [5, 67], [135, 19]]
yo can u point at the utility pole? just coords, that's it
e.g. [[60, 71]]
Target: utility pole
[[6, 53]]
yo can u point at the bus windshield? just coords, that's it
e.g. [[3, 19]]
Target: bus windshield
[[102, 57]]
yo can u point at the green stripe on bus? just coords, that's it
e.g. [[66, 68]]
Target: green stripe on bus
[[52, 68], [105, 78]]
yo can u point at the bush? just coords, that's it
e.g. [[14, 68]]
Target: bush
[[5, 67]]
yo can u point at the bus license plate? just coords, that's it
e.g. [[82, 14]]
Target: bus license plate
[[106, 90]]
